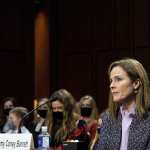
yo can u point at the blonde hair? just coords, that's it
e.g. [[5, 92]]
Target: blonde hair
[[94, 114], [19, 111]]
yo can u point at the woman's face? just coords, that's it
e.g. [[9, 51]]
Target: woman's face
[[86, 103], [86, 108], [8, 104], [14, 119], [42, 111], [57, 106], [121, 86]]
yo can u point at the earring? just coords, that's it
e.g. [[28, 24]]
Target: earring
[[135, 91]]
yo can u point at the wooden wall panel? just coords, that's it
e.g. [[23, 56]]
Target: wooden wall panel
[[122, 24], [102, 14], [142, 23], [17, 51], [91, 34], [75, 25], [76, 74], [142, 54]]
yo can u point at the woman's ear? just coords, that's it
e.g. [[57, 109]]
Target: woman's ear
[[136, 84]]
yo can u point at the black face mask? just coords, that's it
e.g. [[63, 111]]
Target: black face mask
[[6, 111], [86, 111], [42, 112], [58, 115], [98, 130]]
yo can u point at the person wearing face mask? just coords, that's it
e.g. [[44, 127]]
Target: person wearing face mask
[[62, 120], [39, 120], [89, 113], [7, 105]]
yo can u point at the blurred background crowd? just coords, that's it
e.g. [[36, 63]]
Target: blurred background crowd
[[67, 119]]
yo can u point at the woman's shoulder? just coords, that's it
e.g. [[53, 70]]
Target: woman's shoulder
[[105, 115], [106, 119], [93, 123]]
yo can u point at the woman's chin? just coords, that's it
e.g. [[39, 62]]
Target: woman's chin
[[117, 100]]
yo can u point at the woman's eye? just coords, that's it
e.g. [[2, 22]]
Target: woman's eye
[[118, 79], [115, 79], [110, 81]]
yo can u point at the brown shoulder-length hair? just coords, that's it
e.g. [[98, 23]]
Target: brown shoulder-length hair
[[135, 71], [69, 122], [94, 114]]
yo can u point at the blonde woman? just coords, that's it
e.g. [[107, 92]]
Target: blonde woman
[[89, 113]]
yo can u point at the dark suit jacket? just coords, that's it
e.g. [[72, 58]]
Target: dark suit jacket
[[110, 134]]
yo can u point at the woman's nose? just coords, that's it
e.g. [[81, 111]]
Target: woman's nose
[[112, 84]]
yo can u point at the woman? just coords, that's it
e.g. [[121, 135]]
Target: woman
[[62, 120], [89, 113], [7, 104], [126, 123], [39, 119]]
